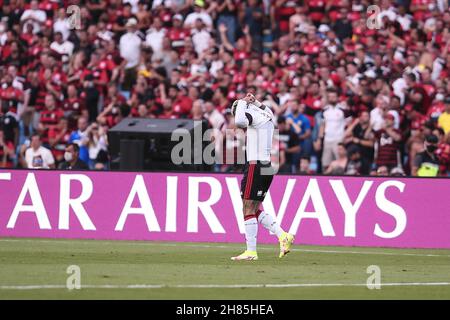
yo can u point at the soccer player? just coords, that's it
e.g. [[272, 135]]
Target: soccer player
[[259, 120]]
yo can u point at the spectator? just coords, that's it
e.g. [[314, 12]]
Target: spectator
[[178, 33], [279, 50], [49, 117], [33, 17], [130, 51], [90, 95], [387, 144], [338, 166], [3, 33], [444, 118], [443, 151], [253, 18], [354, 164], [359, 134], [71, 159], [300, 125], [81, 138], [200, 36], [199, 13], [58, 138], [305, 164], [343, 26], [9, 125], [382, 171], [332, 128], [61, 46], [62, 24], [377, 114], [98, 143], [426, 163], [227, 15], [6, 151], [38, 157], [74, 105], [155, 36], [290, 143]]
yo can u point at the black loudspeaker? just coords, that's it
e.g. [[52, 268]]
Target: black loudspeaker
[[131, 154], [153, 138]]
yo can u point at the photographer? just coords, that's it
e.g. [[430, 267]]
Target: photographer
[[426, 163]]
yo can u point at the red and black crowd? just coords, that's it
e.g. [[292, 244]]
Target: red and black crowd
[[358, 87]]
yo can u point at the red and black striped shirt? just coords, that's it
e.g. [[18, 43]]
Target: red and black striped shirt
[[388, 148]]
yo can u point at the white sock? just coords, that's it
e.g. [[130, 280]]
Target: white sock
[[251, 232], [269, 222]]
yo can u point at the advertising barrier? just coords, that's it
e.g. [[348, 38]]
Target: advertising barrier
[[205, 207]]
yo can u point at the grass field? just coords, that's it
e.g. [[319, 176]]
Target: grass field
[[36, 269]]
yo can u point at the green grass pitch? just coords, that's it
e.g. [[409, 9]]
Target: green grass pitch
[[37, 269]]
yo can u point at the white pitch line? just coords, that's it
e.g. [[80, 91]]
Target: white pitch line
[[221, 286], [219, 246]]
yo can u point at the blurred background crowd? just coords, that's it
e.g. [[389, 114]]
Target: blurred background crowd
[[354, 92]]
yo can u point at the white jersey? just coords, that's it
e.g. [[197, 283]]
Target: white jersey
[[260, 126]]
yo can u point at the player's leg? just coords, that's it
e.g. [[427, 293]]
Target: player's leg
[[250, 221], [267, 220], [251, 230], [271, 224], [251, 224]]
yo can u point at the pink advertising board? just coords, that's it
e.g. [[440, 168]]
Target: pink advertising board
[[203, 207]]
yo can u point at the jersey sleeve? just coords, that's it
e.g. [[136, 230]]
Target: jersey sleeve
[[241, 118]]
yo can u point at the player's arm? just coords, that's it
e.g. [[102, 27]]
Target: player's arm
[[240, 117]]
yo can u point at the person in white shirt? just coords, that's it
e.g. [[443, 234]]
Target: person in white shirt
[[377, 113], [130, 51], [62, 24], [200, 37], [386, 11], [216, 63], [403, 18], [64, 48], [3, 33], [38, 157], [155, 36], [33, 16], [199, 13], [130, 45], [332, 129], [258, 119]]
